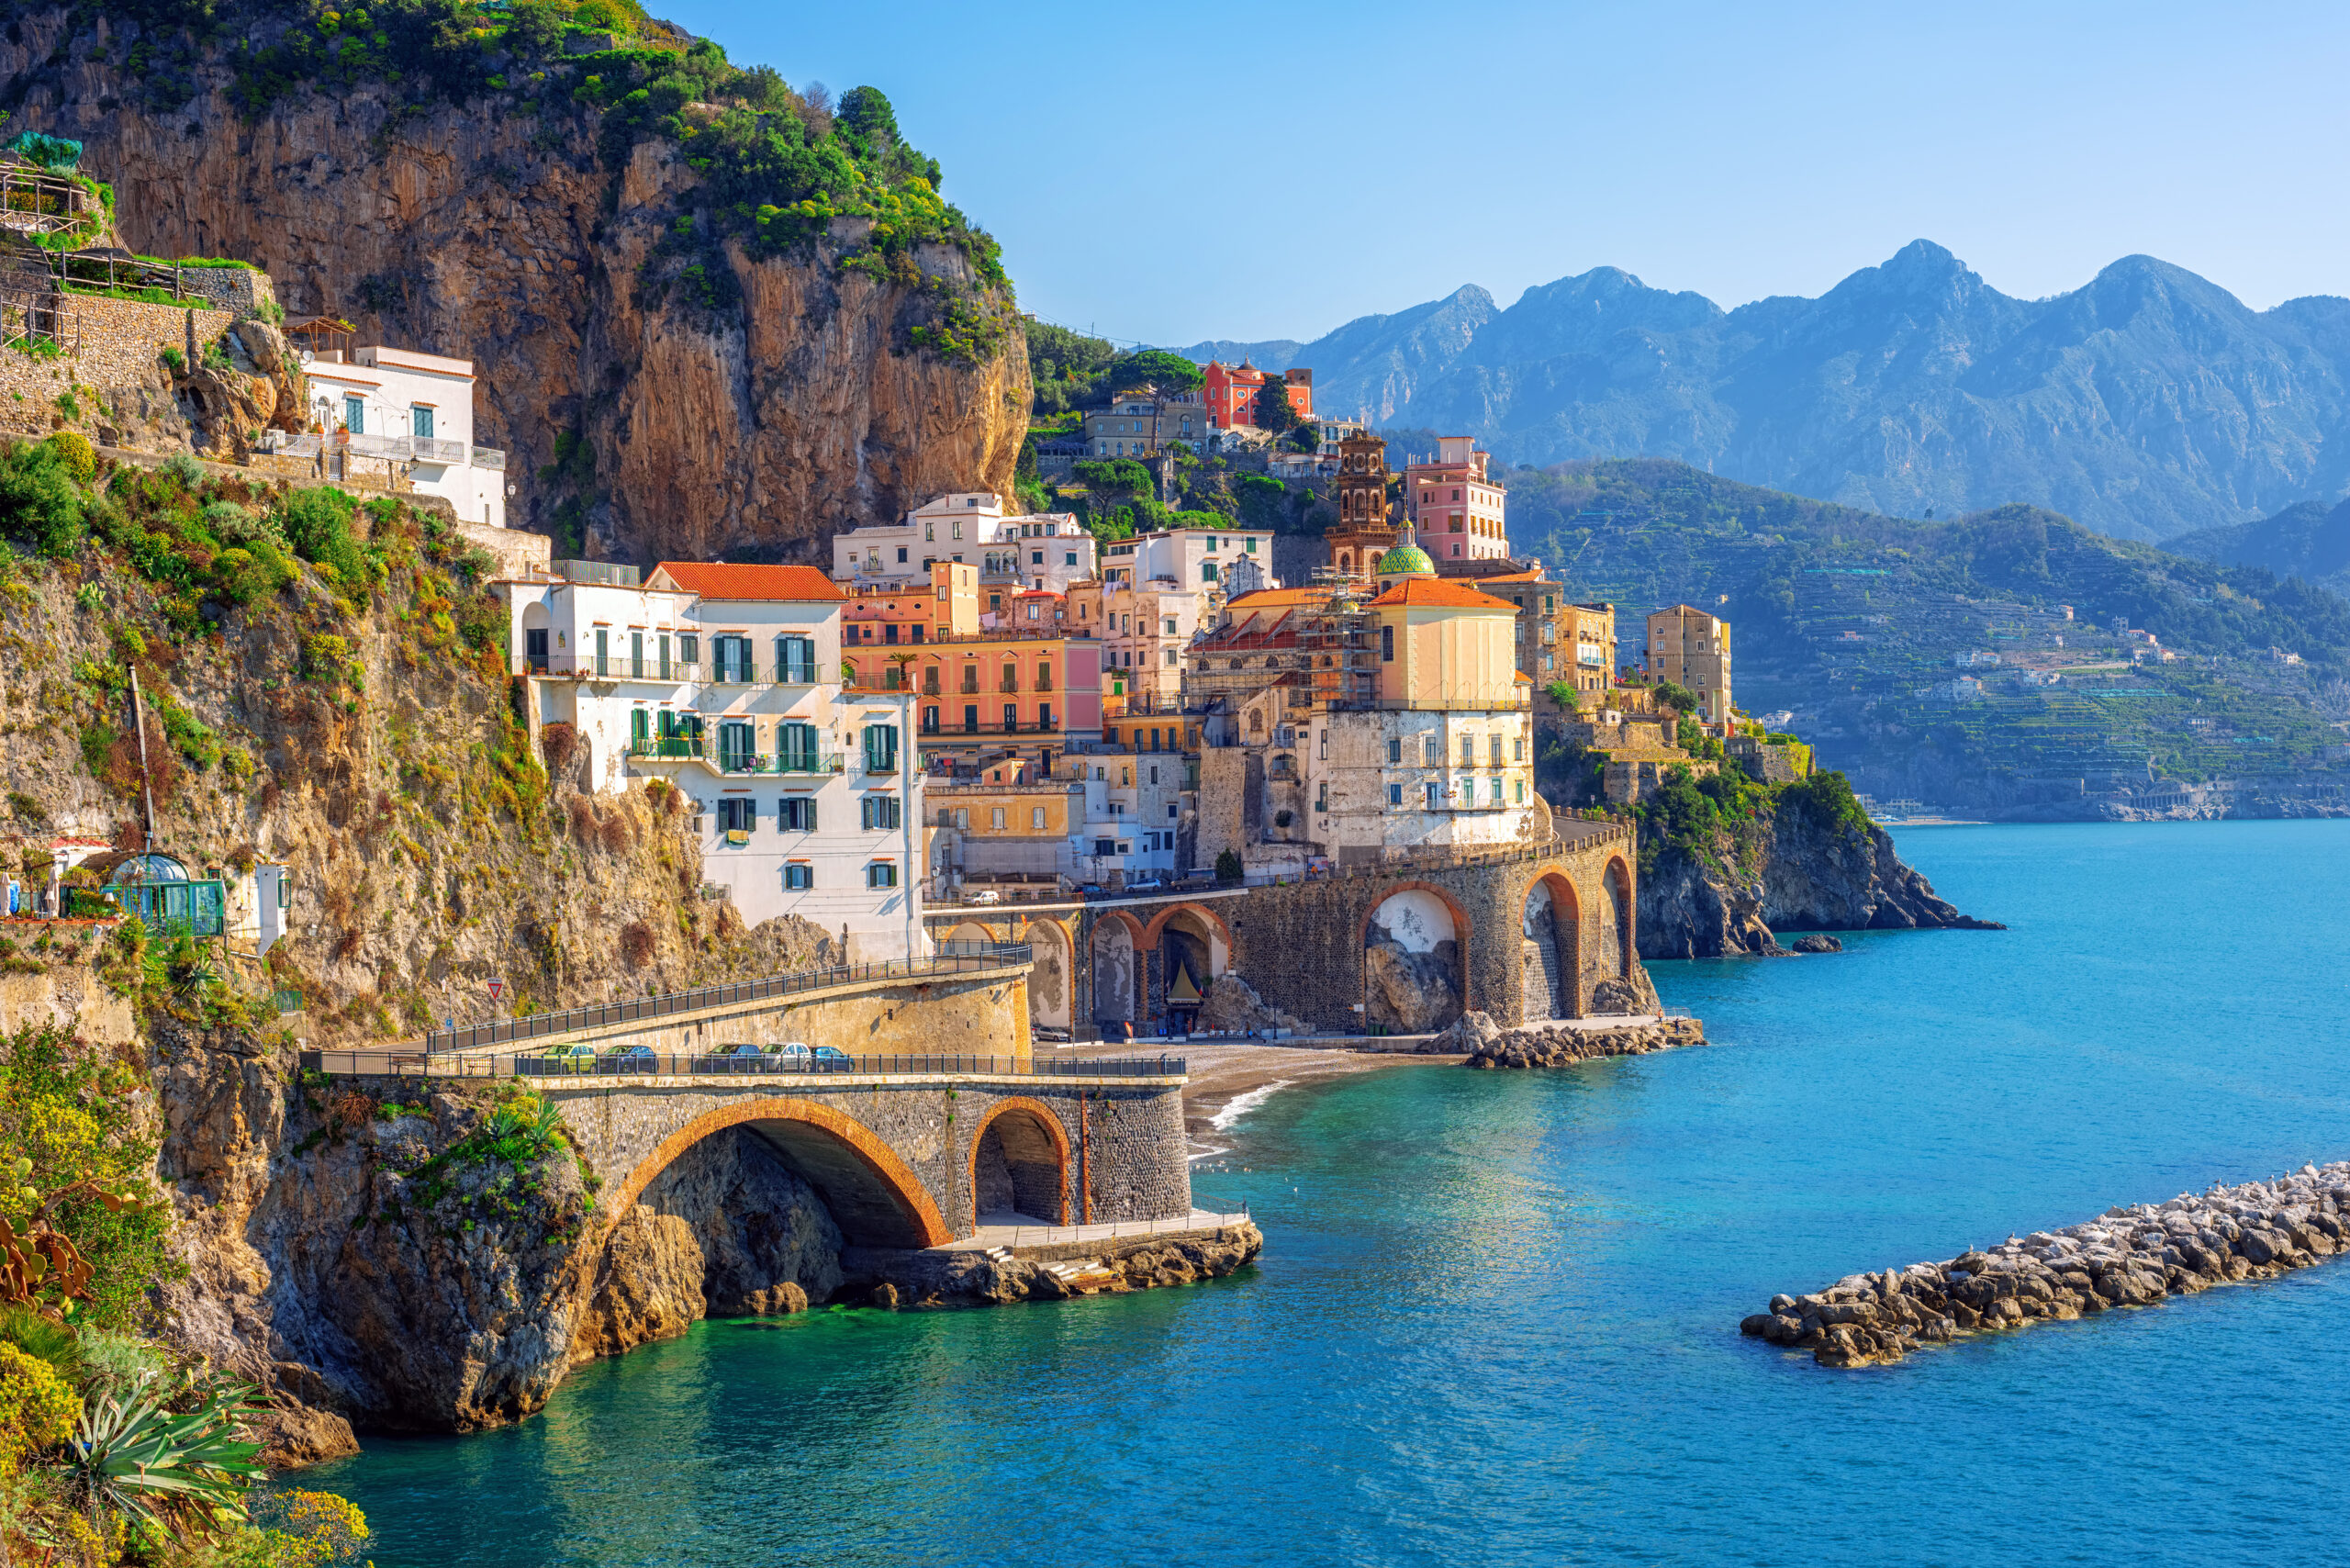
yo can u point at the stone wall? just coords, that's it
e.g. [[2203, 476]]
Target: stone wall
[[975, 1017]]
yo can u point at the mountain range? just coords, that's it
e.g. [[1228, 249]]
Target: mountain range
[[2149, 403], [2309, 540]]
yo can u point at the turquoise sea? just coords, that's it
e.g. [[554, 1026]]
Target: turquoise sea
[[1495, 1320]]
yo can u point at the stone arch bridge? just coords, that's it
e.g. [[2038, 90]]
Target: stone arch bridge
[[1524, 932], [912, 1159]]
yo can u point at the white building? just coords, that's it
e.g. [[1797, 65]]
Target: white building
[[726, 681], [407, 407], [1014, 552], [1198, 558]]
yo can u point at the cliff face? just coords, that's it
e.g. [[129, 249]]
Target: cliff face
[[1796, 872], [489, 231]]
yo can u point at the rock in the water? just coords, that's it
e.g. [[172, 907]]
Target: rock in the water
[[1818, 942], [2126, 1257]]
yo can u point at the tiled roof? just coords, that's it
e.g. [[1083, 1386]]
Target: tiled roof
[[1436, 593], [1278, 598], [798, 585], [1509, 577]]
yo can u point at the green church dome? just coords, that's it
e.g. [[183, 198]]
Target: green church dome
[[1407, 559]]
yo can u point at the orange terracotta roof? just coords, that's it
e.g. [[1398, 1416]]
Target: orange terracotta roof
[[1507, 577], [798, 585], [1278, 598], [1436, 593]]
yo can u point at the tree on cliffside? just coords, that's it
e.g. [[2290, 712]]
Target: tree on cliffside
[[1272, 409]]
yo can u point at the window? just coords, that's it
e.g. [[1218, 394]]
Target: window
[[354, 415], [1395, 794], [1394, 750], [601, 669], [636, 655], [1387, 644], [1036, 557], [1517, 749], [420, 421], [1044, 675], [1521, 790], [1252, 547], [1468, 751], [1207, 571], [796, 813], [736, 814], [880, 748], [1070, 558], [1433, 792], [795, 745], [1431, 752], [1036, 819], [901, 555], [738, 746], [1170, 658], [877, 812], [930, 533], [665, 656], [1106, 846], [1497, 791], [1497, 751], [1011, 717], [970, 718], [881, 874], [1044, 715], [1011, 681], [799, 876]]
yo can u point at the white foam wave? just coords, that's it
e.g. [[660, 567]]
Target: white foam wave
[[1240, 1105]]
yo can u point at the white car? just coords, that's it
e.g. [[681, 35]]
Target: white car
[[985, 895]]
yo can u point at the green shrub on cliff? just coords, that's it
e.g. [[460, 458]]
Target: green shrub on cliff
[[41, 505]]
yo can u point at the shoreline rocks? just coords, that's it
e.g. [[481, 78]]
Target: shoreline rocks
[[2131, 1256], [969, 1277], [1556, 1044]]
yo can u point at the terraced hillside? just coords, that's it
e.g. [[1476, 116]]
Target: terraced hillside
[[1857, 624]]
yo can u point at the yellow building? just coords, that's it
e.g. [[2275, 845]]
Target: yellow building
[[1691, 648]]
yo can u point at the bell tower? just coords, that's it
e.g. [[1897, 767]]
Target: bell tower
[[1364, 531]]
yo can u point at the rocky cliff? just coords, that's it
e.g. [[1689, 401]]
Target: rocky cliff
[[1790, 869], [649, 405]]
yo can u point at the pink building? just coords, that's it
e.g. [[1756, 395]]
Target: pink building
[[1456, 509]]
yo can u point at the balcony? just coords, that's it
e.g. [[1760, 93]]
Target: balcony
[[705, 749]]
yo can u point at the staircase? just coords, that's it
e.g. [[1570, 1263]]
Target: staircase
[[1542, 970]]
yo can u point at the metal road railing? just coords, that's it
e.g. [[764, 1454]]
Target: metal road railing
[[640, 1062], [949, 958]]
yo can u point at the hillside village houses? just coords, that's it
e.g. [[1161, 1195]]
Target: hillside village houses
[[1012, 551], [725, 681], [1230, 391], [1691, 648], [404, 409]]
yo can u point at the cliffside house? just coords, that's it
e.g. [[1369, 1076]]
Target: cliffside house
[[1691, 648], [404, 410], [1139, 423], [726, 681], [1145, 626], [1230, 391], [1097, 817], [1012, 551]]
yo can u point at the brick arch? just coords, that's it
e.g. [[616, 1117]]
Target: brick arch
[[1461, 924], [1617, 871], [1037, 1117], [1149, 938], [872, 1196], [989, 929], [1120, 917], [1566, 908]]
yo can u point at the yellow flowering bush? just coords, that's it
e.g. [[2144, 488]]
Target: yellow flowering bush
[[37, 1408]]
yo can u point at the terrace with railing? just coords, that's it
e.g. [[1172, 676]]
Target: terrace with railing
[[392, 448], [709, 750]]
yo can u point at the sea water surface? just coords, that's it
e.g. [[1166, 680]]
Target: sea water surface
[[1495, 1318]]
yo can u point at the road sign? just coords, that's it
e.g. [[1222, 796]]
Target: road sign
[[497, 989]]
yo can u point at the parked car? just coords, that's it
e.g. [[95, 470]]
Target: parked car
[[985, 895], [578, 1059], [793, 1054], [634, 1059], [831, 1058]]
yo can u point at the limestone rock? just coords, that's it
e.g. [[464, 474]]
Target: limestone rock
[[1815, 942], [1232, 1004]]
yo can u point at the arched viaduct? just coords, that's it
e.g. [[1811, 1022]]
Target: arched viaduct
[[1523, 932], [913, 1159]]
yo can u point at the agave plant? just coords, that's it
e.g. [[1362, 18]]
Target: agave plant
[[185, 1472]]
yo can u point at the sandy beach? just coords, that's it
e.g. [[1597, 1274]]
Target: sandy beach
[[1230, 1077]]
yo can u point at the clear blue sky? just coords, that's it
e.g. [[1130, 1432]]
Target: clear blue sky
[[1171, 174]]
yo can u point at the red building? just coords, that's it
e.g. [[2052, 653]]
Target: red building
[[1231, 392]]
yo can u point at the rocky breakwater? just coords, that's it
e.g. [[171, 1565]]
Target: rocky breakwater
[[998, 1277], [2125, 1256], [1558, 1043]]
